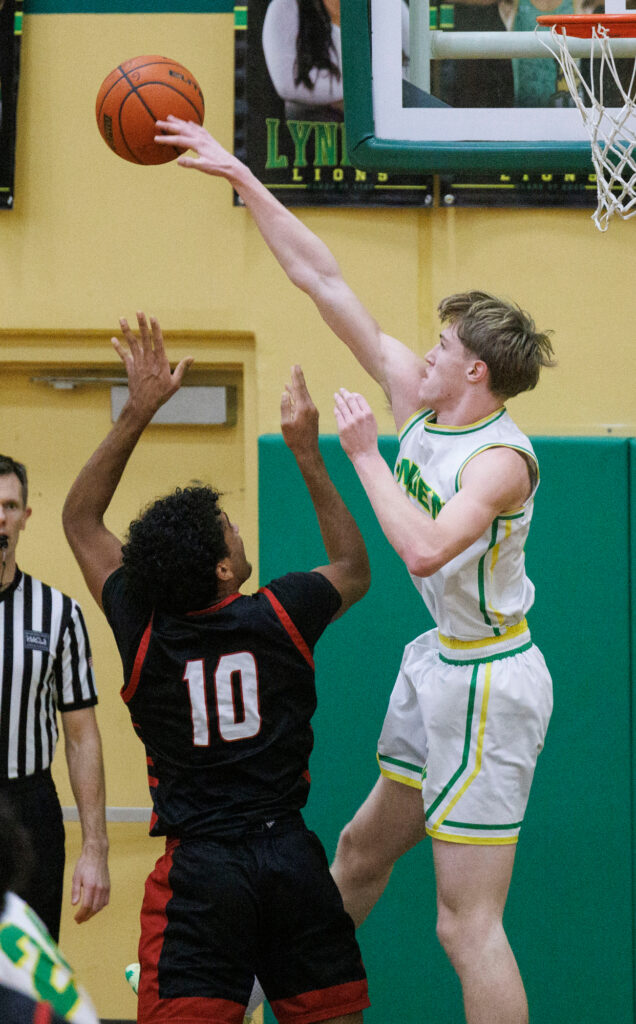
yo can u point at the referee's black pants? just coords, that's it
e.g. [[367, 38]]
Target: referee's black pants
[[36, 805]]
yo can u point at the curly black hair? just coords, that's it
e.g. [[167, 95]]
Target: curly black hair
[[172, 550]]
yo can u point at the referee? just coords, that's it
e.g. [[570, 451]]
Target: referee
[[46, 667]]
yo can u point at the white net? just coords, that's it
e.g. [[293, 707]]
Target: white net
[[612, 129]]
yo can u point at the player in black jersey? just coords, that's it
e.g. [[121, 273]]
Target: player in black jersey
[[220, 687]]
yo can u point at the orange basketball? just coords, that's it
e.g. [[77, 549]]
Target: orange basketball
[[138, 93]]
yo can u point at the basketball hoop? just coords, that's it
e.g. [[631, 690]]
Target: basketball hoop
[[612, 130]]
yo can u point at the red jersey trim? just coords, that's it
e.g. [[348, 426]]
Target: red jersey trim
[[128, 690], [289, 626], [323, 1003], [43, 1014], [214, 607]]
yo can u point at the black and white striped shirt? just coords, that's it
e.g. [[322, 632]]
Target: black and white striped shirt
[[46, 666]]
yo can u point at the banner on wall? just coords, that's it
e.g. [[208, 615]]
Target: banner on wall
[[289, 124], [10, 38]]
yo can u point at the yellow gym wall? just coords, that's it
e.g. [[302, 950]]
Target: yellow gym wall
[[93, 237]]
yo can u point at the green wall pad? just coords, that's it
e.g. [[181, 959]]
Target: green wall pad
[[570, 909]]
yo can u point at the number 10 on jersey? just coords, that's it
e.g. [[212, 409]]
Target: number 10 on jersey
[[235, 689]]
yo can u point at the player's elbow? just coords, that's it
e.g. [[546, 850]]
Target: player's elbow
[[423, 563], [362, 582], [319, 281], [354, 582], [69, 521], [75, 525]]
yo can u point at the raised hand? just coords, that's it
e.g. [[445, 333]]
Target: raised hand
[[356, 424], [212, 158], [298, 415], [150, 380]]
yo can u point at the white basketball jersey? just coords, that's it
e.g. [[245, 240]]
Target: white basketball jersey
[[484, 590]]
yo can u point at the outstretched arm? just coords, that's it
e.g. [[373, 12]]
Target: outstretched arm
[[150, 385], [309, 265], [348, 568], [494, 482]]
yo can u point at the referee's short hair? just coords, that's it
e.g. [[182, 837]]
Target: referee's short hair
[[9, 466]]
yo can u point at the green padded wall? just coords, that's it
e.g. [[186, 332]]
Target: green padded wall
[[570, 910]]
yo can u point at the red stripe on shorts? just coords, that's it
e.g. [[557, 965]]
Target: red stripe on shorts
[[152, 1009], [193, 1010], [323, 1003]]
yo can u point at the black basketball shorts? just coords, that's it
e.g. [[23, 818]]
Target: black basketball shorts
[[217, 912]]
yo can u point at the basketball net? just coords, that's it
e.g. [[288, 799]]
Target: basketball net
[[612, 135]]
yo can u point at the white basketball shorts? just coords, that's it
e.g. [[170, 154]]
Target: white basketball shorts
[[466, 723]]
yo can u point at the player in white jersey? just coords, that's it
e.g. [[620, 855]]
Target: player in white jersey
[[461, 695], [484, 590], [473, 698]]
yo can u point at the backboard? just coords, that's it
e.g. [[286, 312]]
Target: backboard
[[401, 112]]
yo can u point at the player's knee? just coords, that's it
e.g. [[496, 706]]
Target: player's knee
[[356, 859], [463, 935]]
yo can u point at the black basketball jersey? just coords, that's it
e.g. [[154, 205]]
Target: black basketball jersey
[[222, 699]]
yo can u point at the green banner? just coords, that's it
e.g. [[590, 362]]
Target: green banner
[[10, 41], [289, 111], [129, 6]]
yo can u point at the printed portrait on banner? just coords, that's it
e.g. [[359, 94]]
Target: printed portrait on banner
[[289, 109]]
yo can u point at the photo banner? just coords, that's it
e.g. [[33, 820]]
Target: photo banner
[[10, 39], [289, 123]]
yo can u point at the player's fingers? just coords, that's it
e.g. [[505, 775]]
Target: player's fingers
[[172, 139], [157, 336], [343, 399], [144, 333], [119, 349], [181, 369], [301, 391], [340, 419], [172, 124], [298, 378], [188, 161], [342, 407], [129, 335], [346, 398], [359, 403], [285, 407], [355, 402]]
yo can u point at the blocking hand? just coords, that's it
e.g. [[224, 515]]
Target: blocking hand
[[211, 156]]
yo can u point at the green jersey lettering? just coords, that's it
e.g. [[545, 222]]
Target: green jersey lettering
[[52, 980], [407, 474]]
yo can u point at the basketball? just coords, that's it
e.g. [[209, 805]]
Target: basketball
[[139, 92]]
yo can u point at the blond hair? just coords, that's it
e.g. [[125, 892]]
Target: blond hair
[[503, 336]]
